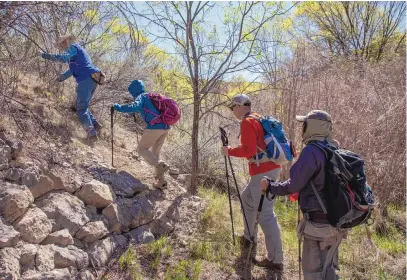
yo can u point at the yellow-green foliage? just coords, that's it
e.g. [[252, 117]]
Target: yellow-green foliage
[[359, 257], [184, 270], [159, 248], [128, 261]]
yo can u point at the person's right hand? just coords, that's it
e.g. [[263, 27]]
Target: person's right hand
[[264, 183], [45, 55], [116, 106]]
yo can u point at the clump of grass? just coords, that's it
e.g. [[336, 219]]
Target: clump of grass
[[128, 261], [159, 248], [185, 270], [361, 256], [201, 250]]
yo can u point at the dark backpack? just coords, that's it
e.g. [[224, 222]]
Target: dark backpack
[[349, 198]]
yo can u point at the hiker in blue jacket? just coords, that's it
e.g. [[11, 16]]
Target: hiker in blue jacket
[[81, 68], [321, 240], [153, 136]]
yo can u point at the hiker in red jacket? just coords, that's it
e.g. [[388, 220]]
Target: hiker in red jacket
[[252, 135]]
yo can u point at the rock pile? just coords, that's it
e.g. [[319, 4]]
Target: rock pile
[[54, 229]]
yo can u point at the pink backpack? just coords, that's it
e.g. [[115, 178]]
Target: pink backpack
[[170, 112]]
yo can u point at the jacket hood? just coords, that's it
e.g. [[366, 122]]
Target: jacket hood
[[136, 88]]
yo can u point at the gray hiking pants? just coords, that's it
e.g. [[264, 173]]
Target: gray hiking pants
[[267, 219], [320, 250]]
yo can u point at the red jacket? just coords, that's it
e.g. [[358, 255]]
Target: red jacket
[[252, 135]]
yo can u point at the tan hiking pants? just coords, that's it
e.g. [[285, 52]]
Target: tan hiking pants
[[320, 249], [154, 139]]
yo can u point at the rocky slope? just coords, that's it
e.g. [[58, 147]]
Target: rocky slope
[[67, 217]]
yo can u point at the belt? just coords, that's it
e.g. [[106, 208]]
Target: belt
[[317, 217]]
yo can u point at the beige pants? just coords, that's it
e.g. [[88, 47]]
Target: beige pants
[[320, 250], [154, 139]]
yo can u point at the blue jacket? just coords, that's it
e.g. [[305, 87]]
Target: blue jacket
[[142, 105], [309, 165], [80, 64]]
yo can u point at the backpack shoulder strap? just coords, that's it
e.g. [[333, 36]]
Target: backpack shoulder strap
[[311, 181], [318, 197]]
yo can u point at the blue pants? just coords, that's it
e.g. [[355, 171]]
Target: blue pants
[[84, 92]]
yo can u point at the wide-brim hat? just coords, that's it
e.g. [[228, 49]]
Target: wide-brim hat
[[65, 38]]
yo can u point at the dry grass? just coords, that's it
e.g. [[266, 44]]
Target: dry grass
[[211, 254]]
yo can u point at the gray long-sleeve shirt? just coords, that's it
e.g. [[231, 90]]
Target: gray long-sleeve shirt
[[310, 165]]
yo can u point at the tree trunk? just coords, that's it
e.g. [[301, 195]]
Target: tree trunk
[[195, 152]]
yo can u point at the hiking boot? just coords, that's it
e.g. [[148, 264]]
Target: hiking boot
[[160, 169], [161, 184], [97, 126], [245, 246], [269, 264]]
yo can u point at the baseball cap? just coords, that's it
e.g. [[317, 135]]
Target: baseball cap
[[315, 115], [240, 99]]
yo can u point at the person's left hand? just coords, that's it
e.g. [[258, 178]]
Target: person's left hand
[[225, 150], [264, 183]]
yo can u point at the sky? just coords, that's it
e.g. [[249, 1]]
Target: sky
[[215, 17]]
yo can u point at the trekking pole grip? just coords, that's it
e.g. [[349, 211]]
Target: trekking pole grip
[[223, 137], [263, 194]]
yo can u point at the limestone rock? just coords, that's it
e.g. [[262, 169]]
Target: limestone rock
[[141, 235], [123, 183], [61, 237], [70, 256], [128, 213], [92, 231], [33, 226], [9, 263], [44, 259], [28, 252], [56, 274], [85, 275], [96, 193], [8, 236], [13, 174], [14, 200], [66, 210], [101, 251], [16, 147], [56, 180], [43, 186], [5, 156], [165, 218], [30, 176]]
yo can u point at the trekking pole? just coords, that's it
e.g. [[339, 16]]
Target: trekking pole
[[223, 132], [299, 243], [299, 239], [225, 143], [111, 128]]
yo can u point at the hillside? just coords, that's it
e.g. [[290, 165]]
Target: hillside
[[66, 213]]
